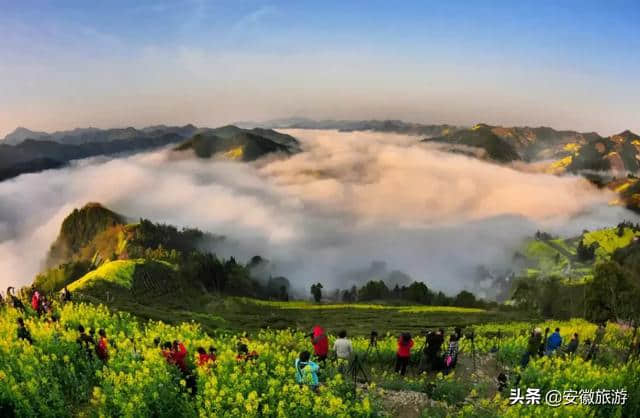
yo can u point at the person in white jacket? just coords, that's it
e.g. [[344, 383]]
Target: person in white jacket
[[342, 346]]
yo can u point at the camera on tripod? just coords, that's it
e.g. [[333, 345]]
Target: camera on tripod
[[470, 335], [373, 338]]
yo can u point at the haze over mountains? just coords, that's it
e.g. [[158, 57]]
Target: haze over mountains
[[612, 161], [37, 151], [619, 152], [391, 126], [94, 135], [325, 213], [332, 201]]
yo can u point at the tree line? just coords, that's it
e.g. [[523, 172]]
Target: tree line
[[415, 293]]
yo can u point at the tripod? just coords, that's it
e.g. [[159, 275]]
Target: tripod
[[356, 370], [373, 346], [473, 352]]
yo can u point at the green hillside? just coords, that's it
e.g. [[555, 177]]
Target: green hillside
[[118, 273], [593, 275], [145, 263], [136, 275], [559, 257]]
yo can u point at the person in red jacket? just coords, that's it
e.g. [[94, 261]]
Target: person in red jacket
[[102, 348], [204, 359], [179, 354], [36, 302], [405, 343], [176, 354], [320, 343]]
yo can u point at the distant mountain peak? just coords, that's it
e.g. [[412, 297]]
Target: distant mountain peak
[[80, 227], [21, 129], [93, 205], [229, 126], [20, 134]]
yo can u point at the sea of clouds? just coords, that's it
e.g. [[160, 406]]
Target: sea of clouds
[[348, 200]]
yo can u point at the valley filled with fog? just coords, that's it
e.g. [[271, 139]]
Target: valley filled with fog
[[348, 200]]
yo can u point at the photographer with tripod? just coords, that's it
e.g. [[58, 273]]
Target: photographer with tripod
[[431, 350]]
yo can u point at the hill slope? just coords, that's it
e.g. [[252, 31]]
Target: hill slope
[[550, 256], [144, 278], [98, 253], [33, 155], [239, 144], [505, 144], [80, 228], [483, 137]]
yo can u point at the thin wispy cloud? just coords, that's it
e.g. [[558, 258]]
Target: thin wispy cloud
[[254, 18], [321, 59]]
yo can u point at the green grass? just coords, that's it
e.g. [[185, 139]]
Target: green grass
[[305, 305], [359, 319], [565, 245], [539, 249], [545, 258], [119, 273], [233, 314], [120, 285]]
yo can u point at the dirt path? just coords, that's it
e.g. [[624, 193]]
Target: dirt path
[[405, 403], [410, 404]]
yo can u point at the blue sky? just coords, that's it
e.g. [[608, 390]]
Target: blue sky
[[109, 63]]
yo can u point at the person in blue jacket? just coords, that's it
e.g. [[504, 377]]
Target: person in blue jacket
[[554, 342], [307, 370]]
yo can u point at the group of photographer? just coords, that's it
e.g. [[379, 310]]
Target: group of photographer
[[307, 370], [538, 346], [434, 358]]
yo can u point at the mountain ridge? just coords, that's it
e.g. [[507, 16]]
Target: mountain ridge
[[78, 136], [34, 155], [52, 151], [376, 125]]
